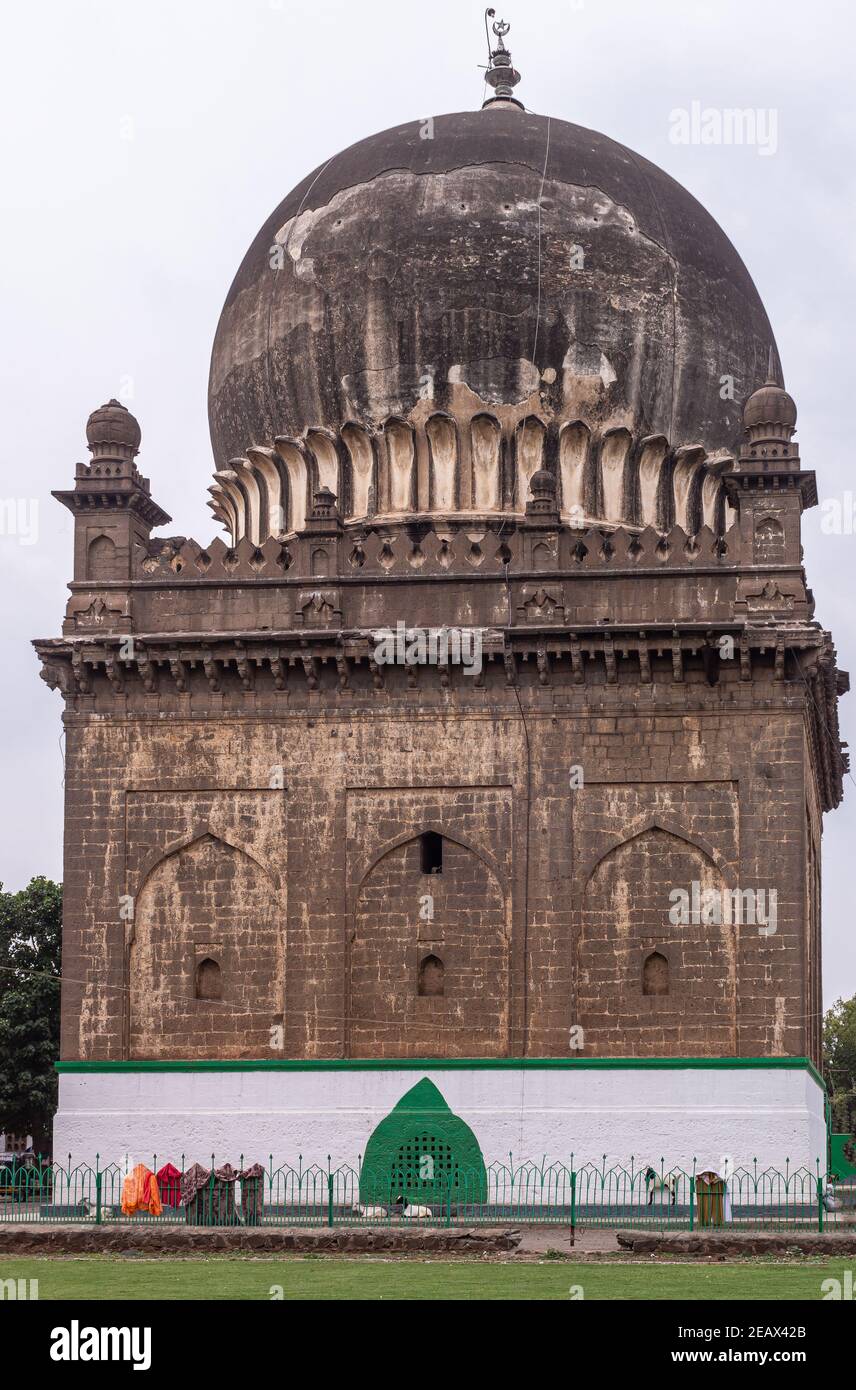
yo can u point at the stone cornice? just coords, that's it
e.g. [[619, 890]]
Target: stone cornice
[[111, 498]]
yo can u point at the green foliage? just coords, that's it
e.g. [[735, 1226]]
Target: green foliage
[[839, 1063], [30, 946]]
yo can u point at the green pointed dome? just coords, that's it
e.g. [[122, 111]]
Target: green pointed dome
[[424, 1153]]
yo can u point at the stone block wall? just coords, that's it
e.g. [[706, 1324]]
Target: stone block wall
[[284, 845]]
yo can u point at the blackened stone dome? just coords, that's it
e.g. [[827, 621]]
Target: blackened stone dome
[[770, 405], [418, 265], [112, 431]]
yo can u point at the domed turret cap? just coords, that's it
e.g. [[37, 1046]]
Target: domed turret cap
[[542, 483], [113, 432], [770, 411]]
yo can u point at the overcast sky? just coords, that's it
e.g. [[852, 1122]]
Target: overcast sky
[[145, 141]]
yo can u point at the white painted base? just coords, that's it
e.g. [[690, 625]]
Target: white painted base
[[677, 1115]]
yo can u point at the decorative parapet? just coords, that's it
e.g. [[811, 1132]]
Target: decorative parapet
[[418, 550]]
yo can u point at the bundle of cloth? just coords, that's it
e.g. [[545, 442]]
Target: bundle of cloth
[[208, 1197], [140, 1192], [169, 1183], [252, 1194]]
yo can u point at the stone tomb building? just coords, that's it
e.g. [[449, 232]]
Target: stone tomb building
[[494, 374]]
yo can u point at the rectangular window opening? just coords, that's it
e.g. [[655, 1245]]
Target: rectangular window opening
[[431, 851]]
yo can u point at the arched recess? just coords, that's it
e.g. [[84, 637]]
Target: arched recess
[[574, 446], [228, 480], [529, 440], [443, 484], [362, 468], [294, 459], [629, 907], [248, 482], [655, 974], [265, 464], [652, 456], [326, 459], [204, 899], [695, 506], [613, 460], [685, 488], [401, 916], [209, 979], [431, 977], [711, 489], [769, 540], [486, 449], [102, 560], [400, 482]]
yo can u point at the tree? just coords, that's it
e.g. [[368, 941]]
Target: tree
[[30, 947], [839, 1063]]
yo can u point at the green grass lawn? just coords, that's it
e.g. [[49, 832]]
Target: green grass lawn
[[228, 1278]]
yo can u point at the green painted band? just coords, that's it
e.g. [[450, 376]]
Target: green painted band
[[461, 1064]]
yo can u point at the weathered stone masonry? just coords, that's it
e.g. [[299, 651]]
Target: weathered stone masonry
[[276, 845], [307, 890]]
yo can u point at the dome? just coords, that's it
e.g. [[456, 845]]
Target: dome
[[426, 271], [542, 482], [770, 405], [113, 432]]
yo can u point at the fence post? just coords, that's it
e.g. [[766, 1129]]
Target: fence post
[[329, 1199], [573, 1200], [97, 1191], [692, 1201], [819, 1203]]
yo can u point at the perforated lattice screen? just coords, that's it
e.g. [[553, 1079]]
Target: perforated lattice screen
[[425, 1162]]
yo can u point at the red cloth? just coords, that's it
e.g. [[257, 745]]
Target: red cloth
[[169, 1182]]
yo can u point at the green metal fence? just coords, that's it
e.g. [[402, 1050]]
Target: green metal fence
[[567, 1194]]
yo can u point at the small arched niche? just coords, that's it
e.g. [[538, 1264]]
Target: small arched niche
[[102, 561], [769, 539], [431, 980], [655, 974], [209, 979]]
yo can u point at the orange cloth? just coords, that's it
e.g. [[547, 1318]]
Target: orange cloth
[[140, 1192]]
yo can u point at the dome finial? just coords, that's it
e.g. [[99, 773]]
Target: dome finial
[[772, 374], [501, 74]]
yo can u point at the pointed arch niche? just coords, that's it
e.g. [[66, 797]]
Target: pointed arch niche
[[633, 954], [428, 968], [205, 920]]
